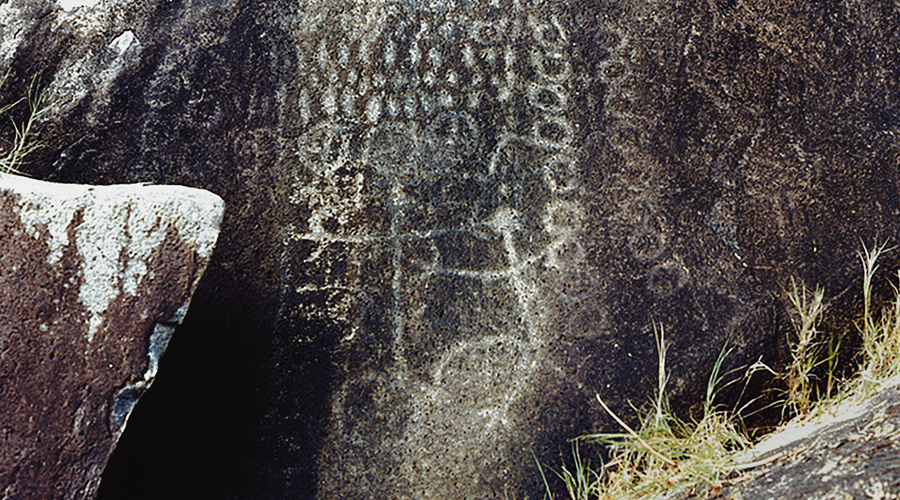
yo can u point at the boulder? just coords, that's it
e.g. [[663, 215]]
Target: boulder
[[454, 222], [94, 281], [848, 451]]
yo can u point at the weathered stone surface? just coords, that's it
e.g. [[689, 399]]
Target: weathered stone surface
[[93, 282], [454, 221], [850, 452]]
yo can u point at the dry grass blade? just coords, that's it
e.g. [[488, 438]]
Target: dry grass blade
[[662, 378], [805, 349], [880, 334], [635, 435], [13, 156], [665, 452]]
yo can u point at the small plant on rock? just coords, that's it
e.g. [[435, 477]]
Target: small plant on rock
[[12, 154], [806, 348], [666, 452], [879, 330]]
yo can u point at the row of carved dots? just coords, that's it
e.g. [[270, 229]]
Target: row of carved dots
[[559, 169], [473, 71], [620, 107], [628, 134]]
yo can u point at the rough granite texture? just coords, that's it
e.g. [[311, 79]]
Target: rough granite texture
[[454, 221], [92, 284], [850, 451]]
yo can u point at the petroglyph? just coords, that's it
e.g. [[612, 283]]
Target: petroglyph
[[451, 222], [435, 154]]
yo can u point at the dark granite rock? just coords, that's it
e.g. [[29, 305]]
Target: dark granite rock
[[454, 221], [852, 451], [93, 283]]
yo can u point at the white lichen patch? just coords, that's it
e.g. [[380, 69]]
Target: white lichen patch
[[123, 42], [12, 32], [119, 229], [93, 73], [86, 18], [68, 5]]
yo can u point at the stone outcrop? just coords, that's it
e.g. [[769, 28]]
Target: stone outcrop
[[93, 282], [850, 451], [455, 221]]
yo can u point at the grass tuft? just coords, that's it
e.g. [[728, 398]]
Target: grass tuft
[[879, 330], [666, 452], [806, 348], [12, 155]]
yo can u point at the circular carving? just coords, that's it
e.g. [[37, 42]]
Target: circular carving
[[666, 278], [548, 98], [393, 151], [451, 139], [560, 174], [549, 35], [554, 132], [325, 148], [553, 67]]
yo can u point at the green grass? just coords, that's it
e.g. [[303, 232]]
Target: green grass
[[879, 330], [13, 153], [666, 452], [806, 348]]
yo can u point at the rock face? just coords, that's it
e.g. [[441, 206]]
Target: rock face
[[456, 220], [93, 283], [851, 453]]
